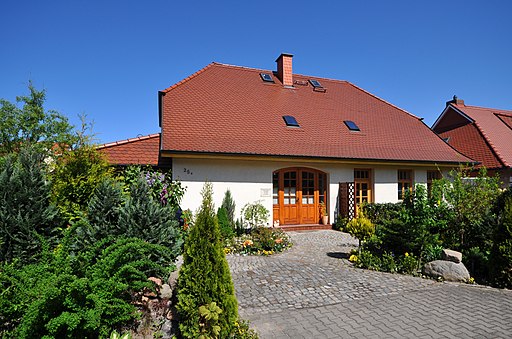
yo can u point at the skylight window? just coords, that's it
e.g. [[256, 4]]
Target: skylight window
[[290, 121], [266, 77], [352, 125], [315, 83]]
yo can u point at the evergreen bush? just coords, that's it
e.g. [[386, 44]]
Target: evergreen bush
[[226, 228], [146, 218], [27, 217], [78, 296], [229, 205], [204, 276]]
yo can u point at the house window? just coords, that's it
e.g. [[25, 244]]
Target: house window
[[275, 188], [431, 176], [404, 182], [290, 121], [363, 186], [352, 126]]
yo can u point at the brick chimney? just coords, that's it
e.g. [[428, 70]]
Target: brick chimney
[[284, 69], [455, 101]]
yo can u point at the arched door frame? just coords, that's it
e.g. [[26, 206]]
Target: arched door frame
[[297, 193]]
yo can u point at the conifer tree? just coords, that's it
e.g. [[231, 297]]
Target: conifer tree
[[26, 215], [229, 205], [204, 276], [145, 218], [226, 228]]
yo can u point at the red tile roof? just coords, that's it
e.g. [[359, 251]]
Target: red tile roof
[[142, 150], [492, 144], [231, 110]]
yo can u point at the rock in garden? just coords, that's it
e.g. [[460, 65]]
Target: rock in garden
[[157, 281], [448, 270], [165, 292], [173, 279], [450, 255]]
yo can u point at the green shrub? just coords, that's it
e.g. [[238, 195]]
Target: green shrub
[[379, 213], [161, 186], [501, 254], [144, 217], [432, 252], [255, 215], [340, 223], [477, 262], [361, 228], [27, 217], [204, 276], [466, 206], [408, 264], [78, 296], [366, 259], [388, 263], [76, 175], [242, 331], [229, 205], [413, 228], [226, 230]]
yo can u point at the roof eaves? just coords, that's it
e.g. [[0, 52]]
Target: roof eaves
[[127, 141], [322, 158]]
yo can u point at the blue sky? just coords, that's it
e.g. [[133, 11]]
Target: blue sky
[[108, 59]]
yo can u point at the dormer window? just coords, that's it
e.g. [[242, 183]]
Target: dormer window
[[290, 121], [352, 126], [266, 77]]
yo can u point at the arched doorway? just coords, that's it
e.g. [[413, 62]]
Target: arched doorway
[[297, 194]]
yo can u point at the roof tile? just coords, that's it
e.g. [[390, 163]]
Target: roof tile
[[230, 109], [142, 150]]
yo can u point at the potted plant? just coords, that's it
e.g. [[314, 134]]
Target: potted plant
[[323, 213]]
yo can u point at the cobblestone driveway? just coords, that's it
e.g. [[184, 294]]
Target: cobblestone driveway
[[310, 291]]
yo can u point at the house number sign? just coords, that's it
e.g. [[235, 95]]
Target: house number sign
[[186, 170]]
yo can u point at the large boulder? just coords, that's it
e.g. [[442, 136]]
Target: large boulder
[[448, 270], [450, 255]]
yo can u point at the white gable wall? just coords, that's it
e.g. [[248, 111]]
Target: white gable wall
[[251, 180]]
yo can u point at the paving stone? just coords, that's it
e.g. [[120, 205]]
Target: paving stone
[[312, 291]]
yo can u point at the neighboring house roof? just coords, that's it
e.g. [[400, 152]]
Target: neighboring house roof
[[144, 150], [484, 134], [225, 109]]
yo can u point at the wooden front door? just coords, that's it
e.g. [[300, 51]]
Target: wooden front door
[[290, 206], [309, 213], [297, 193]]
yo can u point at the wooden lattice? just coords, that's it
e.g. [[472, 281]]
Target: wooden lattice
[[346, 200]]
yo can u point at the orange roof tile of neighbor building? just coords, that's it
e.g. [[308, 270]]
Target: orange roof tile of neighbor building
[[233, 110], [484, 134], [144, 150]]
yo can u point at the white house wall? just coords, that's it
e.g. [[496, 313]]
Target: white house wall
[[250, 180]]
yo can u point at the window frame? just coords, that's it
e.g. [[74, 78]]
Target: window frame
[[403, 182]]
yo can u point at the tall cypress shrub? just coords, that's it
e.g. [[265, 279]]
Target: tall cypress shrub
[[229, 205], [204, 276]]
